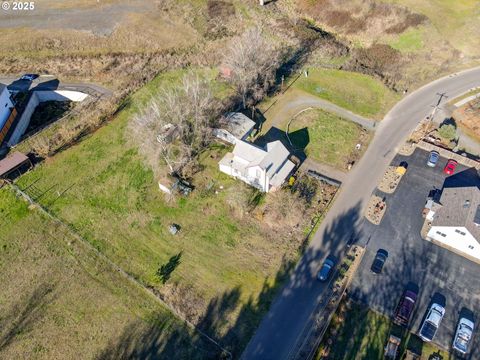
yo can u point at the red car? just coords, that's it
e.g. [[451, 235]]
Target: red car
[[450, 167]]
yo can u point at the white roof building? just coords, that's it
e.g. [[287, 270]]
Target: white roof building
[[264, 168], [456, 221]]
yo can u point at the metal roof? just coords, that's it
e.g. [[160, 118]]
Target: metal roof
[[11, 162]]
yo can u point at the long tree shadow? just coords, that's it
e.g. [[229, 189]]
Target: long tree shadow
[[158, 341], [24, 315]]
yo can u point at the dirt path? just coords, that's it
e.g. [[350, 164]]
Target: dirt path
[[294, 101]]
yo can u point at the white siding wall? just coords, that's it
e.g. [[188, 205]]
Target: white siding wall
[[452, 237], [5, 106]]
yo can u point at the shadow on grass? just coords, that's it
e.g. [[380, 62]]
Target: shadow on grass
[[25, 315], [158, 341]]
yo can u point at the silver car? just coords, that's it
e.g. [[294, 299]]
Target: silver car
[[432, 322], [463, 336], [433, 158]]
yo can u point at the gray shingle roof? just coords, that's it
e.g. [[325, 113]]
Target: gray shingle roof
[[459, 208]]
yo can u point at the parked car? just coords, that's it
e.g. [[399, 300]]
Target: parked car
[[29, 77], [404, 309], [432, 322], [463, 335], [379, 261], [326, 270], [450, 167], [433, 158]]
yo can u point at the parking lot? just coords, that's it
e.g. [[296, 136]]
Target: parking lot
[[436, 271]]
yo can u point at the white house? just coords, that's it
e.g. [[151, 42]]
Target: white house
[[6, 105], [264, 168], [234, 126], [456, 220]]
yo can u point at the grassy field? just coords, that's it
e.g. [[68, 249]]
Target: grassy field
[[59, 299], [359, 333], [327, 138], [456, 21], [358, 93], [229, 263]]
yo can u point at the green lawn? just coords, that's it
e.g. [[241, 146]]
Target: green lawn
[[229, 265], [356, 92], [409, 41], [59, 299], [456, 21], [358, 333], [327, 138]]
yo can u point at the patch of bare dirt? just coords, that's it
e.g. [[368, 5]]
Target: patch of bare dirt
[[468, 116], [379, 60]]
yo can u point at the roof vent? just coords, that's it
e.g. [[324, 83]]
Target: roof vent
[[466, 204]]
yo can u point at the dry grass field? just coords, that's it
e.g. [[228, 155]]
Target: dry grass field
[[432, 37], [59, 300]]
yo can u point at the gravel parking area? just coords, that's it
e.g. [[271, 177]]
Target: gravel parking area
[[435, 270]]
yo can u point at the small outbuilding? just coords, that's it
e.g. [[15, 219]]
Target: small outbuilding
[[14, 164], [234, 126]]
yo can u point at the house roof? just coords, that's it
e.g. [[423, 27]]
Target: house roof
[[11, 162], [237, 124], [249, 152], [273, 159], [459, 207]]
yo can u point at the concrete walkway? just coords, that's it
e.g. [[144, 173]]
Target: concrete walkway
[[294, 101], [324, 169]]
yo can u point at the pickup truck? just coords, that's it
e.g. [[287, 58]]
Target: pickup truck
[[404, 309]]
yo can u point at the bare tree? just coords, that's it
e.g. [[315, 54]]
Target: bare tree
[[253, 62], [174, 127]]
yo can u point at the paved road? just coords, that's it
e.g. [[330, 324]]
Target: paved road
[[295, 101], [291, 311]]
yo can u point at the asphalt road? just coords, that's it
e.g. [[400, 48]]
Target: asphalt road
[[292, 310], [49, 82], [414, 261]]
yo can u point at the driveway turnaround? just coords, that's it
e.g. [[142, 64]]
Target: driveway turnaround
[[292, 310], [415, 262]]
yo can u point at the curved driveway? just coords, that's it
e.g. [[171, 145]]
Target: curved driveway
[[291, 312]]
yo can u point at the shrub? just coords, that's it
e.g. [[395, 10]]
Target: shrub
[[447, 132]]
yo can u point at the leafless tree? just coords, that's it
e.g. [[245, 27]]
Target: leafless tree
[[175, 127], [253, 61]]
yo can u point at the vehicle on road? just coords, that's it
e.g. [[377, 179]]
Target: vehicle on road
[[326, 270], [450, 167], [433, 158], [29, 77], [432, 322], [379, 261], [463, 336], [404, 309]]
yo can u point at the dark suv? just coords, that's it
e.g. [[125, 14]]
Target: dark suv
[[404, 309], [379, 261]]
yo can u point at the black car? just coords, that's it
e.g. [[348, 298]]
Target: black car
[[379, 261]]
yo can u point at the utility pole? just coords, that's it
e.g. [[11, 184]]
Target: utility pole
[[437, 105]]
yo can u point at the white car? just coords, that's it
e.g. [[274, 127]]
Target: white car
[[463, 335], [432, 322]]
